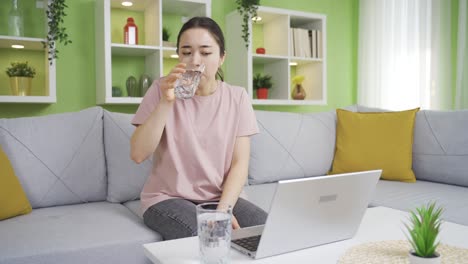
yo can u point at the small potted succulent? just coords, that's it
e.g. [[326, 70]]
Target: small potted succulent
[[262, 83], [423, 230], [21, 75]]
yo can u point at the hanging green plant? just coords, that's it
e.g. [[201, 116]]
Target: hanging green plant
[[247, 9], [57, 32]]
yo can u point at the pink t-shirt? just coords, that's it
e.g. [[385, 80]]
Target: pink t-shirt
[[194, 155]]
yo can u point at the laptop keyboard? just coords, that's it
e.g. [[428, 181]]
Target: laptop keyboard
[[250, 243]]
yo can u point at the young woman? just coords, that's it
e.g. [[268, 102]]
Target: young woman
[[201, 145]]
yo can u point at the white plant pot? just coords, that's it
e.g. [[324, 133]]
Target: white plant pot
[[413, 259]]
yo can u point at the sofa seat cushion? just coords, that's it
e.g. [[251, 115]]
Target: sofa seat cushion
[[98, 232], [135, 207], [408, 196]]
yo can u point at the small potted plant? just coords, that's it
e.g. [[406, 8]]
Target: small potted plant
[[166, 34], [262, 83], [423, 230], [21, 75]]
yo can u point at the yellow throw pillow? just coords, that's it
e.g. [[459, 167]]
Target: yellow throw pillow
[[368, 141], [13, 200]]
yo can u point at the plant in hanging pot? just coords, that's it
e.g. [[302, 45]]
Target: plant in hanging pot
[[57, 32], [248, 10], [423, 230], [262, 83], [21, 75]]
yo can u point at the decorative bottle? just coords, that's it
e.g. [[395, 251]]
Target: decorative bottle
[[15, 20], [131, 32], [132, 87]]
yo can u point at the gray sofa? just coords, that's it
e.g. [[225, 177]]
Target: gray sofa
[[84, 189]]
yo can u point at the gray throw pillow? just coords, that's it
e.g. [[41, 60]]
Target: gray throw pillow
[[125, 177], [59, 158], [291, 145], [440, 148]]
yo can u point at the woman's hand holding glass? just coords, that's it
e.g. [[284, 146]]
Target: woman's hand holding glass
[[169, 81]]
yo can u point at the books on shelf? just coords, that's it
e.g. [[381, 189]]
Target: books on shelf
[[306, 43]]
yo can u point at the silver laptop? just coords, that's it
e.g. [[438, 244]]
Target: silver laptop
[[309, 212]]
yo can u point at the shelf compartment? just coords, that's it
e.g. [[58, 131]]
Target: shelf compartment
[[125, 66], [313, 81], [40, 83], [145, 14], [314, 39], [265, 33], [276, 67]]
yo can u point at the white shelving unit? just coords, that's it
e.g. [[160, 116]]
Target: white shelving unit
[[48, 88], [151, 50], [273, 33]]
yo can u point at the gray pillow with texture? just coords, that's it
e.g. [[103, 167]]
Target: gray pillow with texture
[[291, 145], [59, 158], [125, 177], [440, 148]]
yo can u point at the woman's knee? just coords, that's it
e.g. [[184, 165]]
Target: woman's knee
[[248, 214], [172, 219]]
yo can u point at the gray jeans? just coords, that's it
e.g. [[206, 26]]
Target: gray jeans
[[176, 218]]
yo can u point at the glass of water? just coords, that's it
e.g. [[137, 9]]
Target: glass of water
[[187, 84], [214, 233]]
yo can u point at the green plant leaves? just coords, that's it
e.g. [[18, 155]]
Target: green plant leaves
[[424, 228], [247, 9], [262, 81], [20, 69], [57, 32]]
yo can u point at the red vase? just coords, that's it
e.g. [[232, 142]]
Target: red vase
[[262, 93]]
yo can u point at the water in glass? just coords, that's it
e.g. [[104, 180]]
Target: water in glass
[[186, 86], [214, 233]]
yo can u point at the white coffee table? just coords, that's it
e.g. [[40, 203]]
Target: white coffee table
[[379, 223]]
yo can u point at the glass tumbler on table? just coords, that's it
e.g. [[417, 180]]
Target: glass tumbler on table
[[186, 86], [214, 233]]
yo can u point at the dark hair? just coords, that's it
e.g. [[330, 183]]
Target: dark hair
[[212, 27]]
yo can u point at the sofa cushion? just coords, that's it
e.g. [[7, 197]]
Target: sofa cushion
[[99, 232], [408, 196], [440, 152], [13, 200], [291, 145], [59, 158], [368, 141], [134, 207], [125, 177]]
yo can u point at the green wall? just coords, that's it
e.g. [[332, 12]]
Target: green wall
[[76, 75]]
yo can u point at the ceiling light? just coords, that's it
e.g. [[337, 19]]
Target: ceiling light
[[174, 56], [16, 46], [257, 18], [127, 3], [293, 63]]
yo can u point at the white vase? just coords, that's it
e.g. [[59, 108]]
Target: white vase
[[413, 259]]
